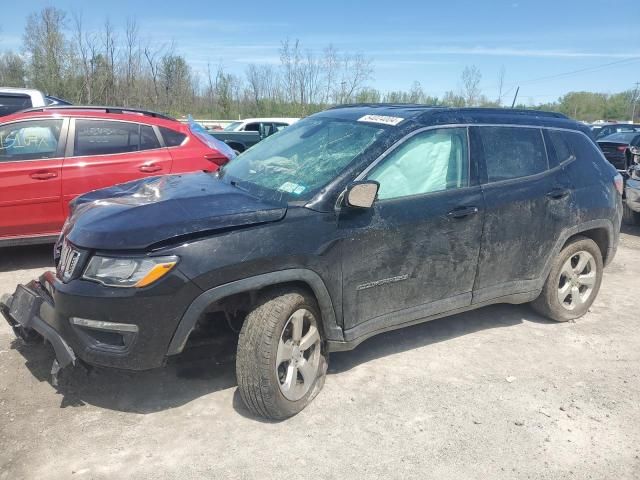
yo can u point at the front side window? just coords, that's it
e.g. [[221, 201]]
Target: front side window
[[431, 161], [31, 140], [102, 137], [512, 152], [252, 127], [301, 159]]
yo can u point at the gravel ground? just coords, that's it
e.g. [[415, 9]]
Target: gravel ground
[[495, 393]]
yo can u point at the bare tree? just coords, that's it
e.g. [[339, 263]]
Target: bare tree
[[501, 75], [47, 49], [13, 70], [152, 55], [131, 61], [356, 71], [471, 78]]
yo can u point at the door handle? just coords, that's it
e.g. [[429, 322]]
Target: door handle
[[152, 167], [558, 193], [461, 212], [45, 175]]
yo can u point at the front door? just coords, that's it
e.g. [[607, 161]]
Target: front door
[[30, 169], [415, 252]]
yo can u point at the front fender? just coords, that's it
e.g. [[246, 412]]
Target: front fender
[[202, 301]]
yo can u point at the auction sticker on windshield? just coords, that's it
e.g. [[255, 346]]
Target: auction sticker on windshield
[[291, 187], [384, 119]]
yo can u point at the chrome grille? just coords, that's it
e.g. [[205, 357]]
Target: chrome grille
[[68, 263]]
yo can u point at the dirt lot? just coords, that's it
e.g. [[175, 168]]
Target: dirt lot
[[496, 393]]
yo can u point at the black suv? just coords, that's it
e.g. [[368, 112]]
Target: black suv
[[351, 222]]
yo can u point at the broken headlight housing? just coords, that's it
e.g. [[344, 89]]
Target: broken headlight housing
[[128, 271]]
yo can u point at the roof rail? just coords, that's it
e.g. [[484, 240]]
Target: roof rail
[[119, 110], [503, 111], [515, 111], [385, 105]]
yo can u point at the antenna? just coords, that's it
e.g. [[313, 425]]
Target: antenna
[[513, 104]]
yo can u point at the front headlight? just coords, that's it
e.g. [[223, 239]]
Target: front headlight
[[635, 150], [128, 272]]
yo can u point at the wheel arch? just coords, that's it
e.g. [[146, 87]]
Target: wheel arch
[[298, 276], [600, 231]]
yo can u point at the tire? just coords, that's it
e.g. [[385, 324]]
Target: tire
[[629, 216], [268, 336], [568, 274]]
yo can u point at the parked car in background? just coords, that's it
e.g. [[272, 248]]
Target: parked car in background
[[352, 222], [253, 124], [632, 196], [244, 134], [15, 99], [617, 148], [50, 155], [612, 128]]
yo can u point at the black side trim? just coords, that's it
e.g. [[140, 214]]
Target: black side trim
[[200, 304], [413, 319]]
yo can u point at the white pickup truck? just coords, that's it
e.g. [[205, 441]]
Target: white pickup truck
[[15, 99]]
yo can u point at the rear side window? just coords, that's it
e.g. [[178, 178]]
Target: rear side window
[[512, 152], [148, 138], [105, 137], [13, 103], [32, 140], [172, 138]]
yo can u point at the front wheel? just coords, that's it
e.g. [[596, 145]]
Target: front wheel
[[573, 282], [281, 364]]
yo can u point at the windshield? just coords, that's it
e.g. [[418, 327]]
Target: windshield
[[301, 159], [620, 137], [232, 126]]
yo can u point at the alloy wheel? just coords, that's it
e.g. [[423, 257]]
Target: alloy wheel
[[298, 355], [578, 277]]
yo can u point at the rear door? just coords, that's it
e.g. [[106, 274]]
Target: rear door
[[528, 205], [102, 153], [31, 154]]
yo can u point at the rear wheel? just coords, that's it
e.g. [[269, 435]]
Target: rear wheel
[[281, 365], [573, 282]]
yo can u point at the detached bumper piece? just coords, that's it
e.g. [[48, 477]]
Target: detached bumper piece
[[24, 310]]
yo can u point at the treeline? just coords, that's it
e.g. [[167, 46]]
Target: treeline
[[117, 66]]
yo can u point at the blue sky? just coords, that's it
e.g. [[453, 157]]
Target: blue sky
[[430, 42]]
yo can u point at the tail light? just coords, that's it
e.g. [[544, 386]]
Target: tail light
[[621, 148], [216, 158], [619, 183]]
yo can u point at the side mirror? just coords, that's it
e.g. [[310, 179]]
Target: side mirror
[[361, 194]]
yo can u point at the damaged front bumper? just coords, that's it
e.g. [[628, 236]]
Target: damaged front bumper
[[30, 312]]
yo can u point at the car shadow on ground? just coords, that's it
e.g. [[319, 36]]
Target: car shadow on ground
[[26, 257], [208, 368]]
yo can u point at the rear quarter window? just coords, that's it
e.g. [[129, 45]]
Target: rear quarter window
[[512, 152], [14, 103], [559, 147], [171, 137]]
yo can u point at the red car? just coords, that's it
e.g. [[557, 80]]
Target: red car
[[50, 155]]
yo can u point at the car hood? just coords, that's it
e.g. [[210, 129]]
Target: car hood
[[138, 214]]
